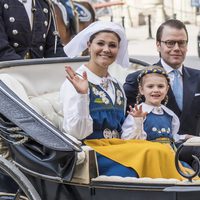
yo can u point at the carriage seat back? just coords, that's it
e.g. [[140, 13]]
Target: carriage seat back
[[38, 85]]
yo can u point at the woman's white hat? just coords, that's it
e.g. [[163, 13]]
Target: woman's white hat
[[79, 43]]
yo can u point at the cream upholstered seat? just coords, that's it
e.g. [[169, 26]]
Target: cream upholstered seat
[[46, 105], [49, 107]]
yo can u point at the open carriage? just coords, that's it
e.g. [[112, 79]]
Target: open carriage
[[39, 161]]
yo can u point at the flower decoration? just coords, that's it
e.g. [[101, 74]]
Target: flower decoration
[[119, 97], [107, 133], [102, 96], [153, 70]]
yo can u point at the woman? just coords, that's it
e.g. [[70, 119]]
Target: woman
[[94, 107]]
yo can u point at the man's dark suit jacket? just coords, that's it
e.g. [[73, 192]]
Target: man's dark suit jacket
[[191, 98]]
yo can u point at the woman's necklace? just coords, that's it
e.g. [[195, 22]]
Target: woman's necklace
[[104, 80]]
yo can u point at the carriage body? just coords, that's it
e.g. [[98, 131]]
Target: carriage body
[[29, 93]]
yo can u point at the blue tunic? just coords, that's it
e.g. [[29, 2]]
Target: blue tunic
[[107, 120], [158, 126], [107, 117]]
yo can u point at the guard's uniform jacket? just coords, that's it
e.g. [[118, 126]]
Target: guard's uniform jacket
[[18, 40]]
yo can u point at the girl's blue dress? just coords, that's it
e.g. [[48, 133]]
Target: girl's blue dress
[[158, 126]]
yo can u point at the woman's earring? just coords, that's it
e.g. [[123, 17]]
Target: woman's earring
[[166, 100]]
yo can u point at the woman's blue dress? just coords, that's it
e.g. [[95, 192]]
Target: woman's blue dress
[[108, 118]]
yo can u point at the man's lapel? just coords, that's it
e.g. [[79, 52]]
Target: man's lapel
[[189, 83]]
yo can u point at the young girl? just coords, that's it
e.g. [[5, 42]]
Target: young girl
[[151, 120]]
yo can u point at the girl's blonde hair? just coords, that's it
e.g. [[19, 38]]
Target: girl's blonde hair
[[151, 70]]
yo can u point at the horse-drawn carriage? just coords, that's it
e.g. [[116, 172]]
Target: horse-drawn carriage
[[39, 161]]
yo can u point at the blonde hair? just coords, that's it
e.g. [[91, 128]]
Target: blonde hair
[[151, 70]]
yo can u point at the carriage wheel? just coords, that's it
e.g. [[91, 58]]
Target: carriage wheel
[[25, 190]]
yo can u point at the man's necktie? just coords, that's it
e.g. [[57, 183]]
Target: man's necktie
[[178, 88]]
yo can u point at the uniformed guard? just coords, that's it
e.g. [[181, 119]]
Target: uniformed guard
[[28, 30]]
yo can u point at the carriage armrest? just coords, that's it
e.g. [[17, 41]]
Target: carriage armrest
[[87, 169], [194, 141]]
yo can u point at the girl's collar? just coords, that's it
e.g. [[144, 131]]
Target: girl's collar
[[149, 108]]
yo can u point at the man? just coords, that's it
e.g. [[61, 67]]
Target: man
[[171, 42], [28, 30]]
